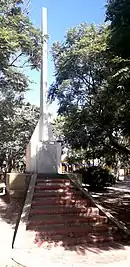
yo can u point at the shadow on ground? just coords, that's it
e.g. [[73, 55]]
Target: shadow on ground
[[10, 211], [80, 243], [116, 202], [11, 206]]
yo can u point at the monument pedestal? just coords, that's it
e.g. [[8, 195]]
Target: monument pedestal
[[44, 157]]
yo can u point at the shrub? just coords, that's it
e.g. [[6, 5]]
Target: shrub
[[97, 177]]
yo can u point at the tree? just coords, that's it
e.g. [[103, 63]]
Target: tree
[[58, 128], [20, 128], [81, 69], [72, 155], [18, 37], [20, 47], [88, 88], [118, 14]]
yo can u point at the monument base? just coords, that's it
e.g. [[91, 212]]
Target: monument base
[[43, 157]]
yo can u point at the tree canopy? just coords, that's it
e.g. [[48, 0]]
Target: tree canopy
[[92, 88], [20, 48], [118, 14]]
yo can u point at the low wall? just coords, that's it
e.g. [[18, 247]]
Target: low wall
[[17, 184]]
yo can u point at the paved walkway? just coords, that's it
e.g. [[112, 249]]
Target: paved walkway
[[123, 186], [66, 258], [9, 213]]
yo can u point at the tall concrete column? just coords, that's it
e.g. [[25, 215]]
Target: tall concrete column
[[43, 153], [43, 136]]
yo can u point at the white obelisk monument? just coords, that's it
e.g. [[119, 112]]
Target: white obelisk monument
[[43, 154], [43, 87]]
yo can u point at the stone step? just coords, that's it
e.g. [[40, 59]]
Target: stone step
[[42, 202], [63, 189], [54, 187], [37, 220], [61, 206], [54, 184], [60, 197], [72, 230], [50, 180], [52, 175], [65, 210], [57, 194]]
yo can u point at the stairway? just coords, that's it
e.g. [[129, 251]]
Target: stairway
[[61, 215]]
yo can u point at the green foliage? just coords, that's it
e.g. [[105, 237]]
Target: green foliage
[[58, 128], [92, 88], [75, 70], [118, 13], [81, 68], [20, 47], [97, 177], [18, 37], [16, 134]]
